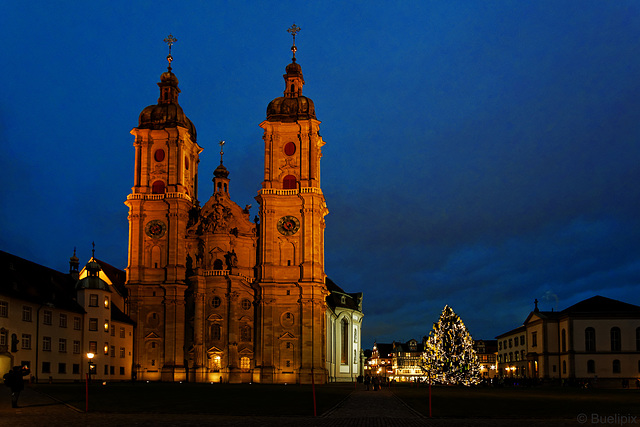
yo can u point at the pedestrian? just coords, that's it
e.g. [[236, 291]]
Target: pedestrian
[[13, 379], [376, 383], [367, 381]]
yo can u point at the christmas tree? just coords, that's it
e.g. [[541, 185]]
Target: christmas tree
[[449, 357]]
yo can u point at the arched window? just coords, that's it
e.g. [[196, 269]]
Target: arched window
[[344, 356], [591, 366], [564, 340], [157, 187], [615, 339], [616, 366], [289, 182], [217, 264], [590, 339]]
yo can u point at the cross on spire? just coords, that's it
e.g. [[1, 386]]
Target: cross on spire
[[221, 143], [170, 40], [293, 30]]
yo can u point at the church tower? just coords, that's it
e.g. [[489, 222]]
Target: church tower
[[164, 192], [290, 346]]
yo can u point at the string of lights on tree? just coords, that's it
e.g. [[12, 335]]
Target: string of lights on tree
[[449, 357]]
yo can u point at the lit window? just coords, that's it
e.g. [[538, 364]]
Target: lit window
[[106, 325], [122, 352], [245, 363], [106, 348], [106, 302]]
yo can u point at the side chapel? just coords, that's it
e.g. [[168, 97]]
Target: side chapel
[[217, 297]]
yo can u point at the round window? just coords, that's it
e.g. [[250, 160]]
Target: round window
[[159, 155], [289, 148], [246, 304], [215, 302]]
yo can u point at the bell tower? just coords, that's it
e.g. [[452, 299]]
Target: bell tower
[[291, 307], [164, 192]]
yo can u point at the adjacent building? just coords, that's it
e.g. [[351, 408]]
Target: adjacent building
[[595, 340], [50, 321]]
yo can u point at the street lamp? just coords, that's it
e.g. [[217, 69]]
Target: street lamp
[[92, 366]]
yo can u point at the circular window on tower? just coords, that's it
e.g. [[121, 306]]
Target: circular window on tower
[[215, 302], [246, 304], [290, 149], [159, 155]]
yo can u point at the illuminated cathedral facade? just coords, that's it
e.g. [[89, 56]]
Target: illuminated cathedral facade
[[217, 297]]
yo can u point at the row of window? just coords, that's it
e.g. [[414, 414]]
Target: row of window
[[62, 369], [512, 357], [615, 339], [512, 342], [215, 331], [47, 315]]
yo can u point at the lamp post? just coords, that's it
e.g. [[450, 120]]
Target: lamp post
[[90, 356]]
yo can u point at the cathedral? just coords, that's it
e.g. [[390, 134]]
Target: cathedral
[[215, 295]]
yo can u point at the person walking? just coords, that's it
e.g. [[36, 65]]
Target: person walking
[[13, 379]]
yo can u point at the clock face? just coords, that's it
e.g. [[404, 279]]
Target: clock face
[[155, 229], [288, 225]]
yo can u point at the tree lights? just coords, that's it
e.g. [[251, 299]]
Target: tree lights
[[449, 357]]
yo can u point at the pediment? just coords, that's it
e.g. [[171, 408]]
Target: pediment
[[245, 319], [214, 350], [214, 318], [152, 335], [246, 352], [287, 336]]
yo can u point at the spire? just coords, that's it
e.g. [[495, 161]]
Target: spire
[[293, 79], [168, 81], [220, 175], [293, 30], [74, 263]]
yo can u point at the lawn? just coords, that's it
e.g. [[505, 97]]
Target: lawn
[[519, 402], [215, 399]]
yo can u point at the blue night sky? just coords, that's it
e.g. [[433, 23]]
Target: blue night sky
[[479, 154]]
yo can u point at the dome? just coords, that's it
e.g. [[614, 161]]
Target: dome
[[221, 172], [291, 109], [167, 113], [161, 116]]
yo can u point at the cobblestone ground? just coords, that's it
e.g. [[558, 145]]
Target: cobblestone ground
[[361, 408]]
